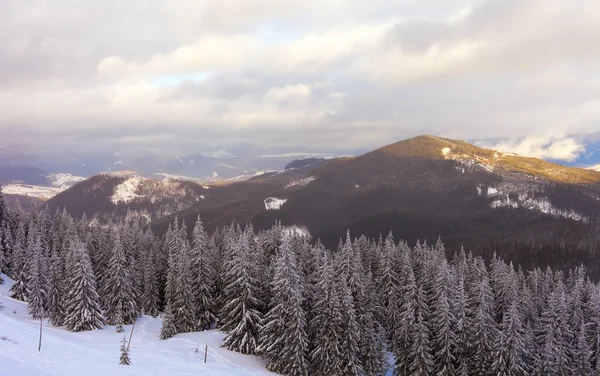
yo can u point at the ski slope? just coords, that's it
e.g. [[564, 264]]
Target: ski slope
[[97, 352]]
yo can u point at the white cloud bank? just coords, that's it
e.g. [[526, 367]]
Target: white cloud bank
[[351, 73]]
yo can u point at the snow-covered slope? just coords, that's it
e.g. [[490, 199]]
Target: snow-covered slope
[[37, 191], [97, 352], [274, 203], [58, 182]]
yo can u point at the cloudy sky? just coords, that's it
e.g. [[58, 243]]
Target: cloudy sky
[[514, 74]]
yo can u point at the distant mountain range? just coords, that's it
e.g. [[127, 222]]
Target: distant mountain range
[[524, 209]]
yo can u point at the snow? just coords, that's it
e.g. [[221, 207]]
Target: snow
[[97, 352], [541, 204], [64, 180], [170, 177], [120, 162], [274, 203], [297, 231], [45, 193], [301, 182], [446, 151], [126, 191], [491, 191]]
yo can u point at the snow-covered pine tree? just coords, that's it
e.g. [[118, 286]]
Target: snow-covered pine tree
[[37, 293], [119, 286], [124, 359], [509, 356], [171, 246], [443, 321], [19, 274], [241, 317], [82, 304], [203, 277], [283, 339], [373, 338], [326, 325], [350, 333], [168, 328], [421, 360], [56, 289], [404, 319], [484, 325], [183, 297], [118, 321], [553, 337], [150, 284], [7, 245]]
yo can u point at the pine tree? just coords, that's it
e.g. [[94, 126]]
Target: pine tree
[[241, 315], [510, 352], [119, 287], [37, 288], [373, 338], [82, 304], [118, 321], [168, 328], [203, 277], [327, 323], [421, 360], [484, 327], [553, 336], [283, 339], [124, 359], [350, 333], [182, 294], [19, 273], [150, 292], [443, 321], [403, 327]]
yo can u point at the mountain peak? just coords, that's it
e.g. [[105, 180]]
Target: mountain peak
[[433, 147]]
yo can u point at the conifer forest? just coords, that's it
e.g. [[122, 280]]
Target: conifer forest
[[365, 308]]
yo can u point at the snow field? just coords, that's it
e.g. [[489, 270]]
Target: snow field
[[97, 352]]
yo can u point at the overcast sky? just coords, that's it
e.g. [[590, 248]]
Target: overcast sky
[[516, 74]]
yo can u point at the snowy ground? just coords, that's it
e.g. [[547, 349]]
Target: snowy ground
[[97, 352]]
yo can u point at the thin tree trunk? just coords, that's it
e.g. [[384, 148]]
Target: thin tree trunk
[[205, 353], [40, 344], [131, 335]]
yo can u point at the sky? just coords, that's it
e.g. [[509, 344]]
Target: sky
[[518, 75]]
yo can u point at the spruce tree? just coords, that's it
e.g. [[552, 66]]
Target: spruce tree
[[19, 271], [168, 328], [350, 334], [241, 315], [150, 291], [119, 286], [82, 304], [326, 357], [283, 339], [203, 276], [37, 287], [443, 321], [124, 359]]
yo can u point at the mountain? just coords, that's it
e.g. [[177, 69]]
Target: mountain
[[525, 209], [130, 194]]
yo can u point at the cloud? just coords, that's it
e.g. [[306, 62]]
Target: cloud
[[323, 73], [546, 146]]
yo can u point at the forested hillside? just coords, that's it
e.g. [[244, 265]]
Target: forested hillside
[[305, 309]]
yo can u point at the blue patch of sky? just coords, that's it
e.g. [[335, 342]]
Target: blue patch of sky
[[177, 79]]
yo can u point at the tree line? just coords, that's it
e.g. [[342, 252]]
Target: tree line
[[305, 309]]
